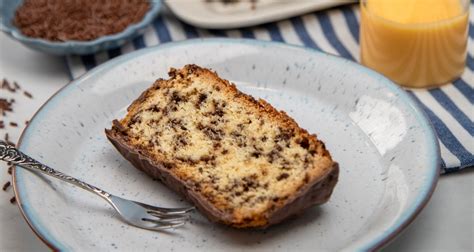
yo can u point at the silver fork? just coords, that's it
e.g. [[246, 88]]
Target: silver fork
[[134, 213]]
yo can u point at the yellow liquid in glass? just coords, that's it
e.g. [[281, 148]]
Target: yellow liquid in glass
[[416, 43]]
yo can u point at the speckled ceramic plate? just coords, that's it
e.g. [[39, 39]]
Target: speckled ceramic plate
[[385, 146]]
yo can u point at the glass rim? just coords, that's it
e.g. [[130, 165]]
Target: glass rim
[[464, 5]]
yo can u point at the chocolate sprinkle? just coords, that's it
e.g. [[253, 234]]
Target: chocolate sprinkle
[[27, 94], [6, 85], [6, 186], [16, 85], [6, 105], [7, 140], [13, 200], [59, 20]]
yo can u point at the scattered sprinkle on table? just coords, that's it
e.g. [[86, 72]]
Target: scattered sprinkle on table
[[6, 186]]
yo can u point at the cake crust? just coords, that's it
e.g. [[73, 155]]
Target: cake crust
[[320, 173]]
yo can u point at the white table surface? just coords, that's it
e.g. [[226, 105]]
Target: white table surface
[[446, 224]]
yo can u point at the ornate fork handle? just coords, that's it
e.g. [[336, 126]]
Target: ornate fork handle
[[9, 153]]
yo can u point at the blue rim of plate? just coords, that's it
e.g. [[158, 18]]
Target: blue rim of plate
[[129, 31], [378, 242]]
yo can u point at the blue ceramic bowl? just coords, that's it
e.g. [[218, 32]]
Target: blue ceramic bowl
[[7, 13]]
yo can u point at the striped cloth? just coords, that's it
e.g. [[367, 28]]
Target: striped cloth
[[335, 31]]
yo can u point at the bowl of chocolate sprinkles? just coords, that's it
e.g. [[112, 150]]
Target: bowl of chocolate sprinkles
[[80, 27]]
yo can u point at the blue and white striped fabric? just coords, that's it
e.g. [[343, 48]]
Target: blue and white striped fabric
[[335, 31]]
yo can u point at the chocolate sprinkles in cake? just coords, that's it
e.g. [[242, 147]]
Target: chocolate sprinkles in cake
[[238, 159]]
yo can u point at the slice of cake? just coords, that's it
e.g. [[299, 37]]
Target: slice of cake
[[239, 160]]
